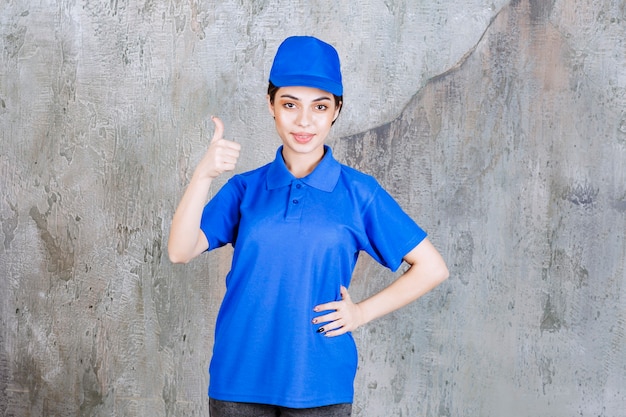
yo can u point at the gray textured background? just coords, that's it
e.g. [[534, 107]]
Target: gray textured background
[[499, 125]]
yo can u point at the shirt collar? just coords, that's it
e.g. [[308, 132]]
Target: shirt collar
[[324, 177]]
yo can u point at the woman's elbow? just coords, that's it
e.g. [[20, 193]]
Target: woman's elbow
[[440, 272], [444, 273], [176, 257]]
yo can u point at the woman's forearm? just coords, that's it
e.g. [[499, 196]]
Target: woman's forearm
[[427, 270], [183, 243]]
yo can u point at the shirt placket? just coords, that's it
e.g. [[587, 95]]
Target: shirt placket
[[296, 200]]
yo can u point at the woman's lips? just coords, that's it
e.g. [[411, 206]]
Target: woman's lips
[[302, 137]]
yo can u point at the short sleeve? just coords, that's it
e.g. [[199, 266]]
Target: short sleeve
[[391, 232], [220, 217]]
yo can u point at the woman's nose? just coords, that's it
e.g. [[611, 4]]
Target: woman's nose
[[304, 118]]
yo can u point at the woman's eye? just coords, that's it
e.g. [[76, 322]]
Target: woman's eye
[[321, 107]]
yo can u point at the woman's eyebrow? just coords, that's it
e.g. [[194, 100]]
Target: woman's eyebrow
[[289, 96]]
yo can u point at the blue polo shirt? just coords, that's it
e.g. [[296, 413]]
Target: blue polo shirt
[[296, 241]]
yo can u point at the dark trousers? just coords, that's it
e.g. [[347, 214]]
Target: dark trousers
[[229, 409]]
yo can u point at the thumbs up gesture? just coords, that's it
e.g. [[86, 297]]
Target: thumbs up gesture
[[221, 156]]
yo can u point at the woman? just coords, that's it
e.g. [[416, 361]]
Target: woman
[[283, 344]]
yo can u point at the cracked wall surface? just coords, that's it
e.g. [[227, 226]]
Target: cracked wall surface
[[499, 125]]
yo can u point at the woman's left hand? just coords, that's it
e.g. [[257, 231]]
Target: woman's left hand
[[345, 317]]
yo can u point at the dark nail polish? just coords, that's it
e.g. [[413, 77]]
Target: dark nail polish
[[320, 330]]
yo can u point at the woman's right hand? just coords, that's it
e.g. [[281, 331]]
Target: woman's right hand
[[186, 241], [221, 156]]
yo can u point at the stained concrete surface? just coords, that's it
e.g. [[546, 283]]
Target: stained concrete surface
[[500, 126]]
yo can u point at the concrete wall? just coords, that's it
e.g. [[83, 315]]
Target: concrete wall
[[499, 125]]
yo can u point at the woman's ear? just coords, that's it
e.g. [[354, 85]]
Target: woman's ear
[[337, 110], [270, 105]]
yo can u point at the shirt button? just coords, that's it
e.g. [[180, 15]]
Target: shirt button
[[295, 201], [298, 186]]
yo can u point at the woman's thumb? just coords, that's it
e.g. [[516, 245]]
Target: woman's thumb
[[219, 129], [344, 293]]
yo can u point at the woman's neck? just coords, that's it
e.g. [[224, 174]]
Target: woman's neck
[[302, 164]]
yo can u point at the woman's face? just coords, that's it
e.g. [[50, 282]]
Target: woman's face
[[303, 118]]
